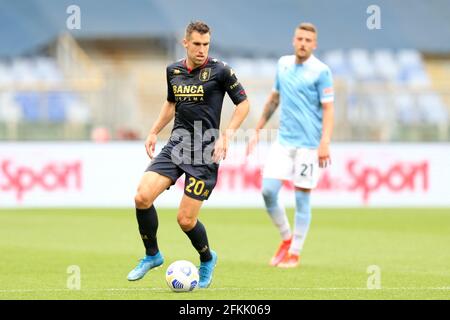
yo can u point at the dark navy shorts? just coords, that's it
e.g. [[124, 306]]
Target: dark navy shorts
[[200, 179]]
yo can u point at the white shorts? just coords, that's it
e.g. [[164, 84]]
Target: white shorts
[[299, 165]]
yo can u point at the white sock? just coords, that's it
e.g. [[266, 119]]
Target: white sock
[[302, 222], [271, 188], [279, 218]]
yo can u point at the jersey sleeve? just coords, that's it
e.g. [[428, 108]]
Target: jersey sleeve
[[325, 86], [232, 85], [170, 94]]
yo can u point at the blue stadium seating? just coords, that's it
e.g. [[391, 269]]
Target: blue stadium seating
[[29, 103], [56, 107]]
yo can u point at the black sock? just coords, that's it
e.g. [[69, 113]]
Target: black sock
[[199, 240], [148, 225]]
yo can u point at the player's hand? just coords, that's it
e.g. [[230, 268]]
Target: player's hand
[[324, 154], [220, 149], [252, 144], [150, 144]]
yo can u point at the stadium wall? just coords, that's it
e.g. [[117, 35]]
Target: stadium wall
[[82, 174]]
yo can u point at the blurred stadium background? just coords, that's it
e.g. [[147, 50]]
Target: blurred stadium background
[[392, 84], [76, 104]]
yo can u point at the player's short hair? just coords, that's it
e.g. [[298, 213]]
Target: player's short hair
[[308, 27], [198, 26]]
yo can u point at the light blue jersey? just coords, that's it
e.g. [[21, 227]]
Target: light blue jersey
[[302, 88]]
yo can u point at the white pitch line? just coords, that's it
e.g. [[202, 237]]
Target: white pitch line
[[229, 289]]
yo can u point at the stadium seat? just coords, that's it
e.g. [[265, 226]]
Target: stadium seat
[[361, 65], [77, 112], [23, 71], [335, 59], [385, 65], [432, 109], [9, 110], [29, 103], [5, 75], [47, 71], [406, 111], [409, 57], [56, 111], [411, 68]]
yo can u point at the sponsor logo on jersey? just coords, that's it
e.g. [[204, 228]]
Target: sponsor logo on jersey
[[205, 74], [234, 85], [188, 92]]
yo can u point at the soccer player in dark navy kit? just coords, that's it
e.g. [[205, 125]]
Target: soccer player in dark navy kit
[[196, 87]]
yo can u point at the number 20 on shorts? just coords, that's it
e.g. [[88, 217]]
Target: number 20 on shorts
[[195, 186]]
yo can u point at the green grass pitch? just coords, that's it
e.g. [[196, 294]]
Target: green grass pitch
[[411, 247]]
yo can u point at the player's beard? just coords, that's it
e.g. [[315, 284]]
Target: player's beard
[[303, 55], [200, 60], [196, 61]]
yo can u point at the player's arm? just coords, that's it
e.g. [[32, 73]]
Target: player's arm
[[269, 108], [165, 116], [239, 115], [326, 93], [327, 129], [237, 94]]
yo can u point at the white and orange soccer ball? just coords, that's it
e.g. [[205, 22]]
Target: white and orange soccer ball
[[182, 276]]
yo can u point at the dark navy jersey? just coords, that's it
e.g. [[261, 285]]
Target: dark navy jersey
[[199, 95]]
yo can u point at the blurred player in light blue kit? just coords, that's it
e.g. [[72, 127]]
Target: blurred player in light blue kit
[[304, 91]]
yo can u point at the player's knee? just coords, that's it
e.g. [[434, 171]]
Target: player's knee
[[270, 187], [186, 223], [142, 200], [270, 195]]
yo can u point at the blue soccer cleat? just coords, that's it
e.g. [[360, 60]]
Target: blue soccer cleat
[[206, 271], [145, 265]]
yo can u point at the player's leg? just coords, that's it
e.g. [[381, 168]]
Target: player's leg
[[159, 176], [277, 213], [302, 221], [197, 189], [188, 221], [151, 186], [270, 190], [306, 178], [279, 167], [196, 232]]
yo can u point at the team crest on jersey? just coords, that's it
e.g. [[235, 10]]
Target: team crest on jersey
[[176, 71], [205, 74]]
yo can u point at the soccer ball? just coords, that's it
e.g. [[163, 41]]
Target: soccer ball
[[182, 276]]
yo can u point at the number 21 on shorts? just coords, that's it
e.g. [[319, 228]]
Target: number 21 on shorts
[[306, 170]]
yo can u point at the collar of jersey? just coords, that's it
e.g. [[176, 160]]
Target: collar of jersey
[[307, 61], [198, 68]]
